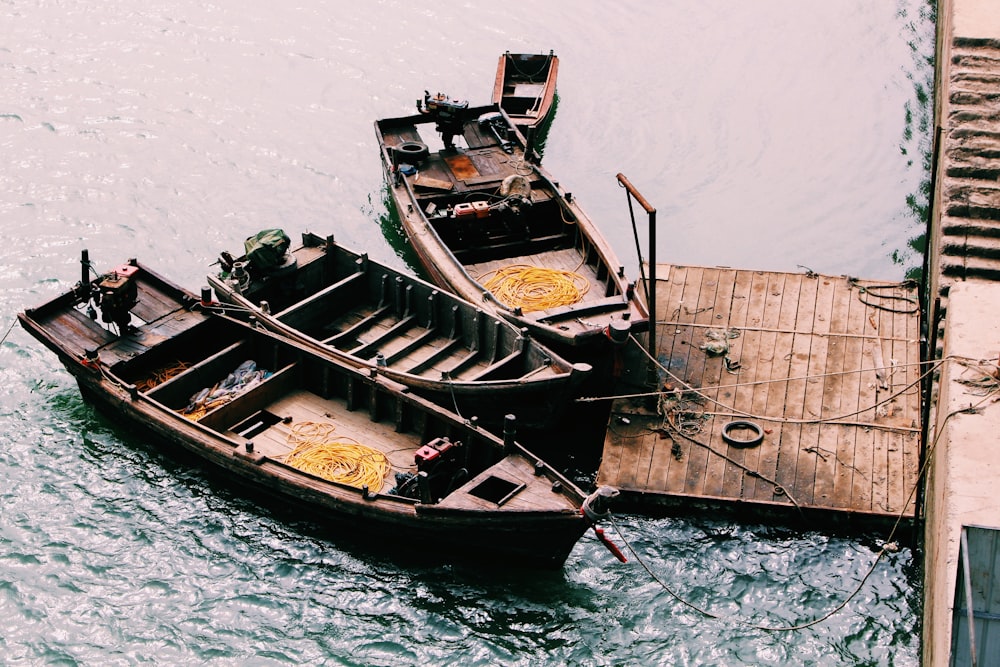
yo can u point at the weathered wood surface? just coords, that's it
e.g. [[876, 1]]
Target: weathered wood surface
[[527, 220], [827, 366]]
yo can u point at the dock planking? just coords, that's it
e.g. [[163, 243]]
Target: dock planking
[[827, 366]]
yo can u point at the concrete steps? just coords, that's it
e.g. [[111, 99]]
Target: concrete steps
[[969, 244]]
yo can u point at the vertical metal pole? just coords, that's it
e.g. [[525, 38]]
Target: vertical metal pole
[[651, 285], [651, 290]]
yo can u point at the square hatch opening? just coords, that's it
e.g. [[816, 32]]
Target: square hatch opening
[[496, 490], [256, 424]]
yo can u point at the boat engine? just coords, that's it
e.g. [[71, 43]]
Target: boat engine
[[447, 115], [439, 472], [116, 294]]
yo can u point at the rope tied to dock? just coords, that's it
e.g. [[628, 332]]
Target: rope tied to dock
[[317, 451], [533, 288], [881, 297]]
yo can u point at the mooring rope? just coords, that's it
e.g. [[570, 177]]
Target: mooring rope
[[700, 391], [888, 545], [7, 333]]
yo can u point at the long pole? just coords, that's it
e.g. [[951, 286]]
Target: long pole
[[651, 284]]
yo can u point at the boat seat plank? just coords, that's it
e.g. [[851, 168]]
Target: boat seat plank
[[442, 353], [253, 400], [367, 348], [74, 325], [468, 359], [360, 326], [343, 285], [420, 341], [495, 368]]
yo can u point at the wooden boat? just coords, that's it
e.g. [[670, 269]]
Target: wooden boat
[[493, 226], [301, 427], [525, 87], [345, 305]]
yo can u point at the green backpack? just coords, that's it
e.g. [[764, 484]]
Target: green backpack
[[266, 249]]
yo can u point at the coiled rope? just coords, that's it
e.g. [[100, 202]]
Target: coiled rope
[[533, 288], [318, 452]]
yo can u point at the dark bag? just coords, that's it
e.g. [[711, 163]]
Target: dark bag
[[266, 250]]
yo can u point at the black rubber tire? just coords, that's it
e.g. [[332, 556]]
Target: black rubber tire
[[412, 152], [740, 424]]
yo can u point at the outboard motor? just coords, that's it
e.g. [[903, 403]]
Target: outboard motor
[[494, 123], [116, 295], [447, 115]]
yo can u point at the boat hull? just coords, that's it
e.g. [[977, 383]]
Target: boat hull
[[520, 219], [525, 87], [344, 305], [497, 502]]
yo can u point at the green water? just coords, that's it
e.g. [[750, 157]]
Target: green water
[[770, 135]]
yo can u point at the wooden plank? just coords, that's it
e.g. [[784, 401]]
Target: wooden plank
[[698, 309], [904, 447], [785, 446], [715, 470], [758, 368], [832, 440], [777, 348], [673, 351], [608, 471], [823, 358], [856, 447], [744, 351], [797, 470], [662, 456], [619, 461]]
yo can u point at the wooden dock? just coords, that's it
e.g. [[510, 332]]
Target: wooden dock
[[827, 368]]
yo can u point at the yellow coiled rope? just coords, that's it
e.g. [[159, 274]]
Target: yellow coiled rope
[[317, 452], [533, 288]]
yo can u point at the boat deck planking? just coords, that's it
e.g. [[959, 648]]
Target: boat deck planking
[[814, 359], [304, 407], [566, 259]]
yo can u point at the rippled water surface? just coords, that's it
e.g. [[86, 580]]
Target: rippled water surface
[[773, 135]]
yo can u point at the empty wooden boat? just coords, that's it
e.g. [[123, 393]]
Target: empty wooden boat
[[347, 306], [490, 224], [525, 87], [355, 446]]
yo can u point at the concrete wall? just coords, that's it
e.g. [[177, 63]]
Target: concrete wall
[[964, 484]]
